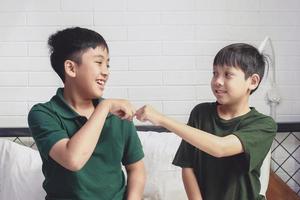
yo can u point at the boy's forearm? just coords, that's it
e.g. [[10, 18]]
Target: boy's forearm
[[211, 144], [75, 152], [136, 178]]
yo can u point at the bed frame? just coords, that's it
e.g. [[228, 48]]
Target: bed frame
[[291, 129]]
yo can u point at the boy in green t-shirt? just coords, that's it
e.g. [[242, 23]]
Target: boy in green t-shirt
[[83, 139], [225, 142]]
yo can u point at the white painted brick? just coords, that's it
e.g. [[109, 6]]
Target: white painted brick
[[162, 63], [12, 19], [118, 64], [187, 77], [13, 121], [41, 94], [13, 49], [60, 18], [135, 48], [13, 108], [291, 48], [13, 94], [128, 78], [280, 5], [161, 33], [13, 79], [166, 5], [24, 64], [143, 18], [245, 34], [282, 18], [211, 5], [178, 107], [200, 18], [192, 48], [77, 5], [228, 5], [287, 62], [162, 93], [109, 19], [116, 92], [112, 5], [288, 107], [288, 77], [243, 5], [204, 32], [282, 33], [118, 18], [38, 49], [289, 92], [112, 33], [243, 18], [29, 5], [44, 79], [25, 34], [204, 93], [288, 118], [204, 62]]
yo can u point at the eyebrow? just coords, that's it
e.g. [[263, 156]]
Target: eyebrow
[[100, 56]]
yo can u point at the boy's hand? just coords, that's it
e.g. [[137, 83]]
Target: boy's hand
[[121, 108], [148, 113]]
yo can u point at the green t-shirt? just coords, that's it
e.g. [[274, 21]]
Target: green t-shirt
[[102, 176], [234, 177]]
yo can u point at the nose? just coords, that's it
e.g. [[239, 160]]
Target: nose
[[218, 81], [105, 72]]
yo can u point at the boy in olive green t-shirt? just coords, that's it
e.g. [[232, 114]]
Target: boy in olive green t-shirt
[[225, 142], [83, 139]]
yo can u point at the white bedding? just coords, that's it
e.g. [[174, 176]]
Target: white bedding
[[21, 176]]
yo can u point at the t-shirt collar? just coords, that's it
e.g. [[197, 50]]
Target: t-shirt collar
[[62, 108]]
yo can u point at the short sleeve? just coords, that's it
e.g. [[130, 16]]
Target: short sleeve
[[133, 150], [257, 138], [184, 155], [45, 130]]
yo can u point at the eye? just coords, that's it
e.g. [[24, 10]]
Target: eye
[[228, 75], [100, 63], [215, 74]]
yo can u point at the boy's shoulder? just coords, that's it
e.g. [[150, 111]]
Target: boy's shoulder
[[44, 107], [203, 107]]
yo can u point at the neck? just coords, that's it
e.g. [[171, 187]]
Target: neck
[[231, 111], [75, 100]]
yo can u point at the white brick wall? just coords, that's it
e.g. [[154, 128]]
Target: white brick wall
[[161, 50]]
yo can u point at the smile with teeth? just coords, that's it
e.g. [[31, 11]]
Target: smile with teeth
[[100, 82]]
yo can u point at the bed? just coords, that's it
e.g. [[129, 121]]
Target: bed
[[21, 176]]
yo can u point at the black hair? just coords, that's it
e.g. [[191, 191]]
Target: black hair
[[70, 44], [243, 56]]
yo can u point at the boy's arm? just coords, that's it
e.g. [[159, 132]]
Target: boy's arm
[[136, 178], [191, 186], [209, 143], [73, 153]]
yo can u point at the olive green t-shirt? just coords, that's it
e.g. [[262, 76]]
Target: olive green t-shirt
[[234, 177], [101, 177]]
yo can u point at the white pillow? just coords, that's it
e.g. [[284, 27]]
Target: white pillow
[[163, 179], [20, 172]]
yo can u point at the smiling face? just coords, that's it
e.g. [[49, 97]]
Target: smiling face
[[91, 74], [230, 86]]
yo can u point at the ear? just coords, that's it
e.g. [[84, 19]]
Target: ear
[[70, 68], [254, 81]]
